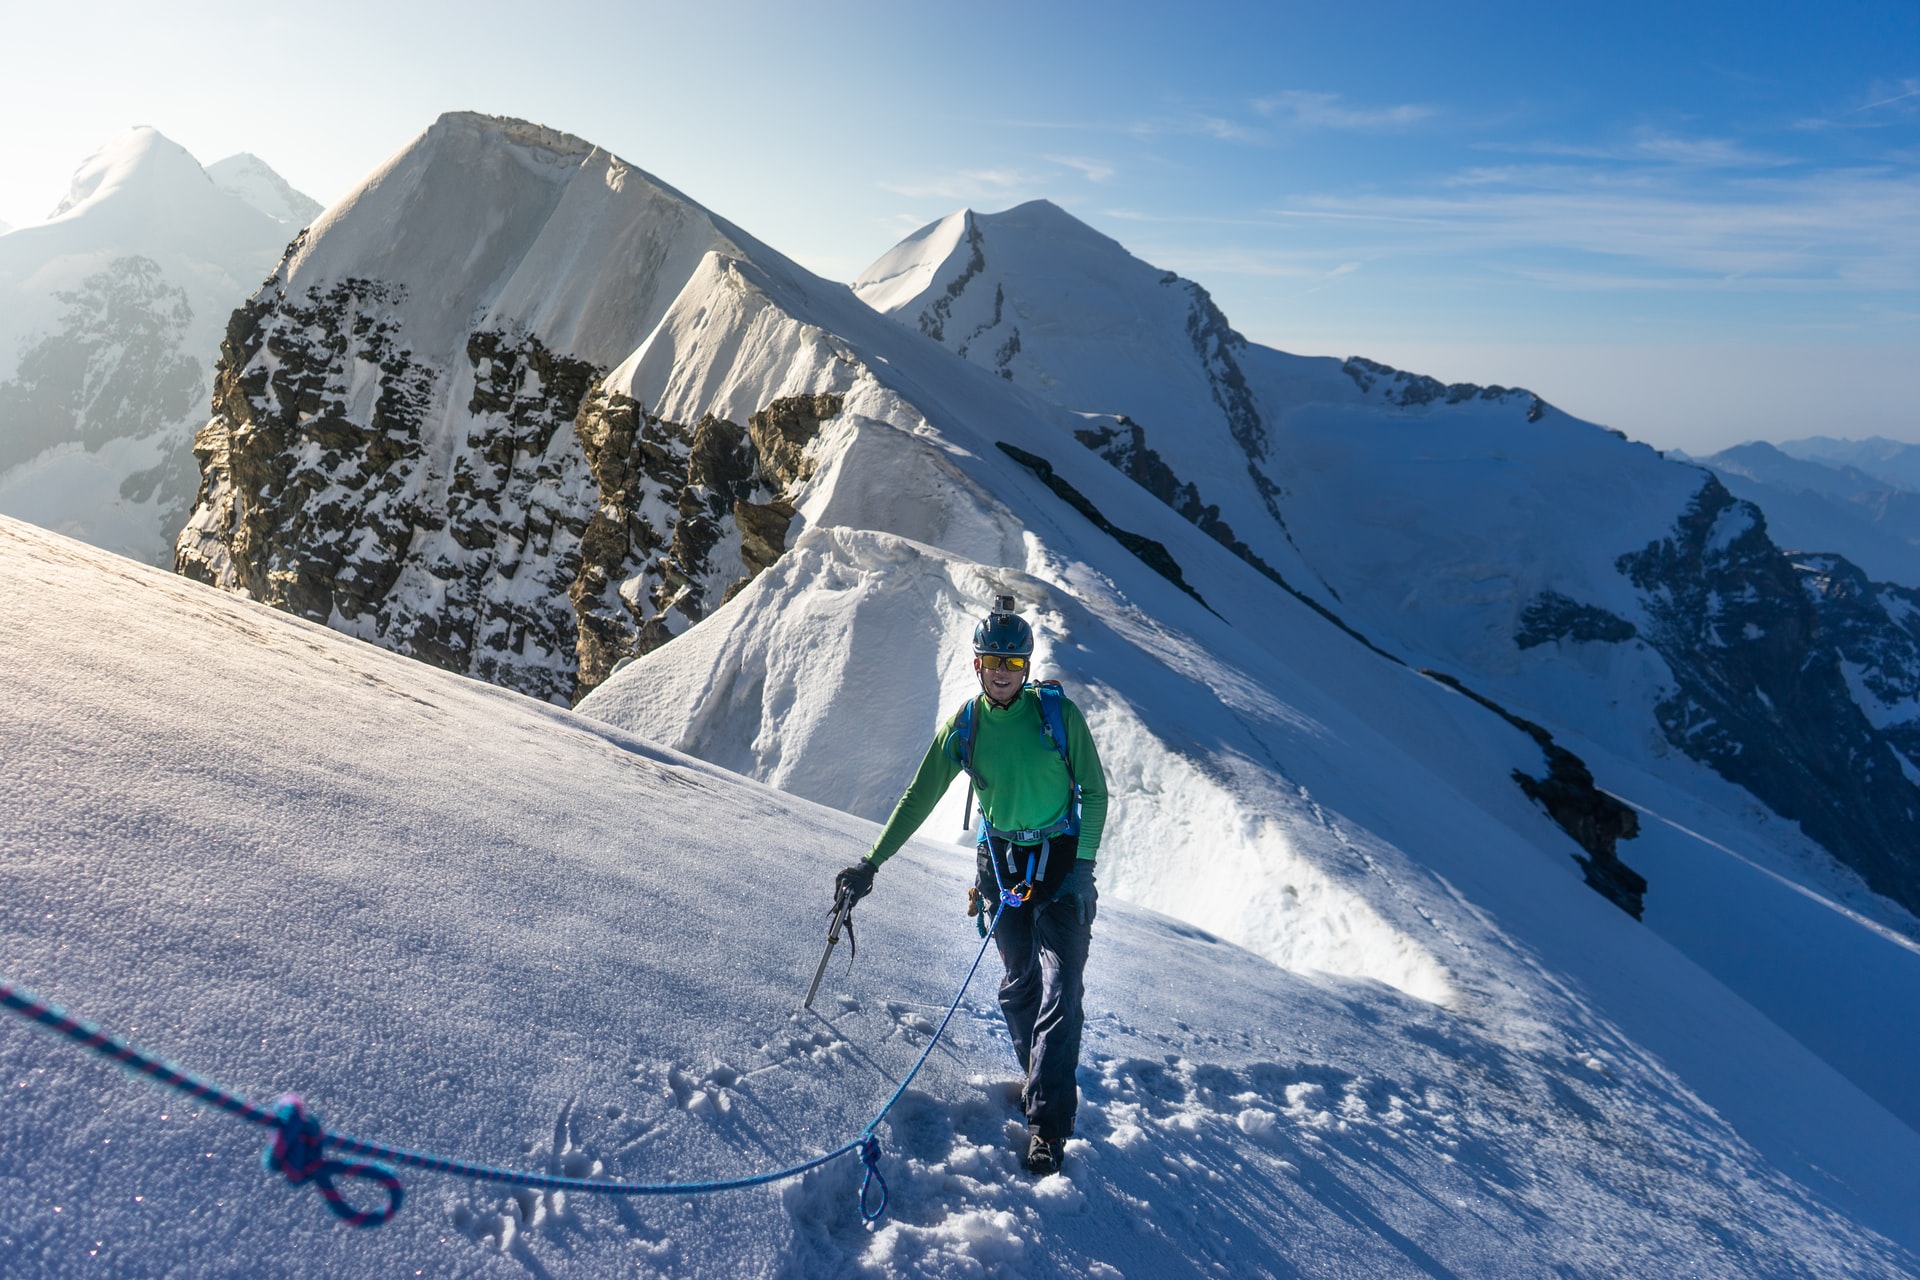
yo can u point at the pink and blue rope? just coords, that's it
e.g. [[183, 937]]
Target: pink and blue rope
[[298, 1150]]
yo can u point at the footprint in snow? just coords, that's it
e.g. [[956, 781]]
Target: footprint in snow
[[907, 1018], [503, 1221]]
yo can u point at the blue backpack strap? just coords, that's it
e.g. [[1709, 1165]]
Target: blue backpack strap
[[959, 743], [1053, 721], [961, 738]]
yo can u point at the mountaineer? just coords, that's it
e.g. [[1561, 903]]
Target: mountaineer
[[1043, 801]]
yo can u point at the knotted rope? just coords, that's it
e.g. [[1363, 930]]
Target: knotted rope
[[300, 1142]]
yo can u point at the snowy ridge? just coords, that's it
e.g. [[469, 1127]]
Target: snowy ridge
[[1579, 580], [737, 693], [410, 379], [466, 921], [572, 244]]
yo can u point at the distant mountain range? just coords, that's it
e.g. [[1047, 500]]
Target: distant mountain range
[[1857, 499], [111, 315], [1889, 460]]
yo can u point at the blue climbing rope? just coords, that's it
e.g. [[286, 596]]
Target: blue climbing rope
[[300, 1142]]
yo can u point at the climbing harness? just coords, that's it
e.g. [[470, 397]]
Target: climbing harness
[[300, 1141]]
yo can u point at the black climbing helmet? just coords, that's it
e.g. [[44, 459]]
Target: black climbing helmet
[[1003, 631]]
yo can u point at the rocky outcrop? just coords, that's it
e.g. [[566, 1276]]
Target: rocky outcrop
[[935, 318], [1125, 446], [1874, 628], [532, 541], [685, 517], [1761, 691], [1150, 552], [115, 368], [1596, 821], [305, 498], [1551, 617], [1408, 390], [318, 495]]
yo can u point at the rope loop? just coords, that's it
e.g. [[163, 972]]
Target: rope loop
[[300, 1142], [870, 1157], [298, 1151]]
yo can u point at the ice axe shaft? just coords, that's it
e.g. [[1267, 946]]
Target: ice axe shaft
[[842, 913]]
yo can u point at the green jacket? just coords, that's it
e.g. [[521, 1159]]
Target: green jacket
[[1026, 781]]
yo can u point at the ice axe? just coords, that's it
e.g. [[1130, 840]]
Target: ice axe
[[841, 915]]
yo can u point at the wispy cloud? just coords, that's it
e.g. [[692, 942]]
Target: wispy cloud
[[1305, 109], [1197, 124], [1840, 229], [967, 184], [1090, 169], [1652, 146], [1887, 103]]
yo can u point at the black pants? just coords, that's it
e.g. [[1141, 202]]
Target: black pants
[[1043, 946]]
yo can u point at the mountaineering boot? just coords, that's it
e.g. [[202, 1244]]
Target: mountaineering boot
[[1044, 1154]]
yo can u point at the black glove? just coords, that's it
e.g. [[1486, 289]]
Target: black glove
[[856, 881], [1078, 889]]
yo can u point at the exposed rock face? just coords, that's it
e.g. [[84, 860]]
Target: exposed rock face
[[1150, 552], [1875, 629], [116, 368], [1596, 821], [318, 494], [411, 441], [291, 472], [934, 320], [1409, 389], [681, 512], [1758, 654], [562, 529], [1552, 616], [1125, 446]]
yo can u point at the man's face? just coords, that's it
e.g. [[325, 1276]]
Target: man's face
[[1000, 683]]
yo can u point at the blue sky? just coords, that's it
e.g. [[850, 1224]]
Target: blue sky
[[1697, 223]]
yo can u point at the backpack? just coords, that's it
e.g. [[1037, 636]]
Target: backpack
[[1053, 723]]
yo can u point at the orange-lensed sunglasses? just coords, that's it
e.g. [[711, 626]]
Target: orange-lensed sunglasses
[[994, 661]]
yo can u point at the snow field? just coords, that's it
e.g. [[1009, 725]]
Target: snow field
[[467, 922]]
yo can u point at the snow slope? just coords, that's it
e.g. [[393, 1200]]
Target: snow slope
[[1577, 578], [466, 921], [111, 316], [1218, 717]]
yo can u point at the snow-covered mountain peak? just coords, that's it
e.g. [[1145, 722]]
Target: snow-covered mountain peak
[[971, 275], [253, 180], [140, 193], [141, 164], [517, 226]]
